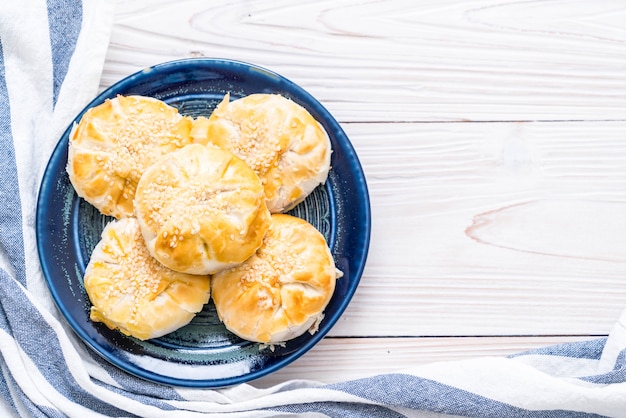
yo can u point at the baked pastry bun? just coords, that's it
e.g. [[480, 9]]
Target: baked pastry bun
[[113, 144], [278, 138], [280, 292], [131, 291], [201, 209]]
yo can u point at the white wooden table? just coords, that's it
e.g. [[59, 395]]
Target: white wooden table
[[493, 139]]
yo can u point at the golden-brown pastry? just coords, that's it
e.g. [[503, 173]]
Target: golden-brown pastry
[[113, 144], [201, 209], [131, 291], [278, 138], [282, 290]]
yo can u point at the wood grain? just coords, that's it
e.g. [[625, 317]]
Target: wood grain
[[492, 229], [402, 60]]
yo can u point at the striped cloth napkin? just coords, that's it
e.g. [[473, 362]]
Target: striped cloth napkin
[[51, 57]]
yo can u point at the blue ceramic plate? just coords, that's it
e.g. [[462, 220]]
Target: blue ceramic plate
[[203, 353]]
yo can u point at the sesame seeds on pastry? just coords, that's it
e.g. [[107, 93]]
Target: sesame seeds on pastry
[[115, 142], [280, 292], [282, 142], [130, 291], [201, 210]]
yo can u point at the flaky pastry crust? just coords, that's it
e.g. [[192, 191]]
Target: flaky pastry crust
[[201, 210], [115, 142], [282, 142], [280, 292], [130, 291]]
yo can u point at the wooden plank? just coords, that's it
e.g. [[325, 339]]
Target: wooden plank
[[492, 229], [402, 60], [337, 359]]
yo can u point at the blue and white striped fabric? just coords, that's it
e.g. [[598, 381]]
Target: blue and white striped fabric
[[51, 55]]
